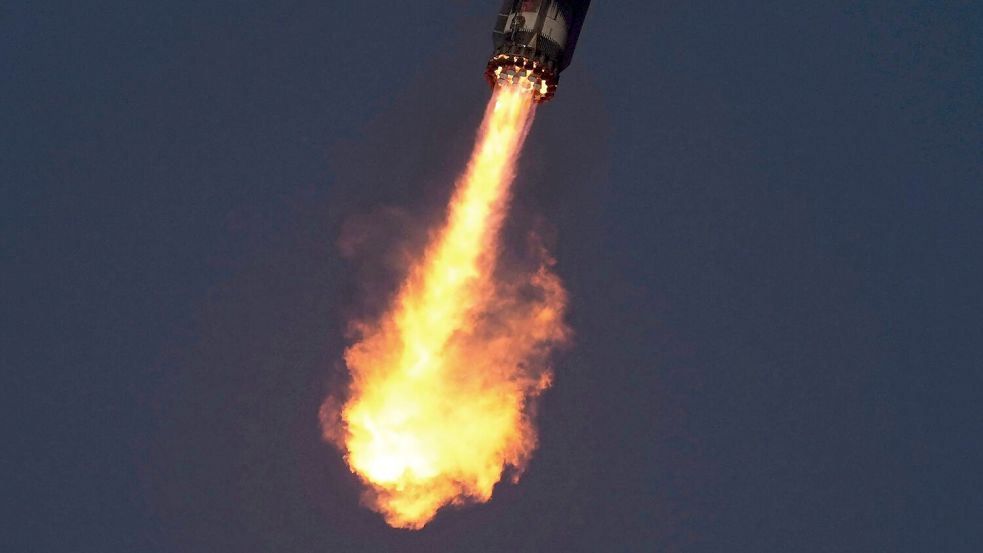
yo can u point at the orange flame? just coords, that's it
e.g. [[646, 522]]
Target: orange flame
[[442, 384]]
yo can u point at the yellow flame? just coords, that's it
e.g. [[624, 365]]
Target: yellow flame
[[441, 385]]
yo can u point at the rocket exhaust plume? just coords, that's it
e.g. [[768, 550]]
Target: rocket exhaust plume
[[443, 384]]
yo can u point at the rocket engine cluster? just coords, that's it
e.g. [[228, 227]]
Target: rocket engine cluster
[[534, 41]]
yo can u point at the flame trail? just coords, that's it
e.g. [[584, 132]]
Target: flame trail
[[441, 385]]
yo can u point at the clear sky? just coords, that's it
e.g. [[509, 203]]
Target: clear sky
[[768, 218]]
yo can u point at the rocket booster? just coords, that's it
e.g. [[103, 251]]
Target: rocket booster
[[534, 42]]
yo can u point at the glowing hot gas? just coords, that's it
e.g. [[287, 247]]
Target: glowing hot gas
[[443, 384]]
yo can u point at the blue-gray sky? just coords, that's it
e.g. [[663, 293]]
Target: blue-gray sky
[[768, 217]]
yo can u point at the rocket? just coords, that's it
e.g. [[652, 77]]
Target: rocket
[[534, 42]]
